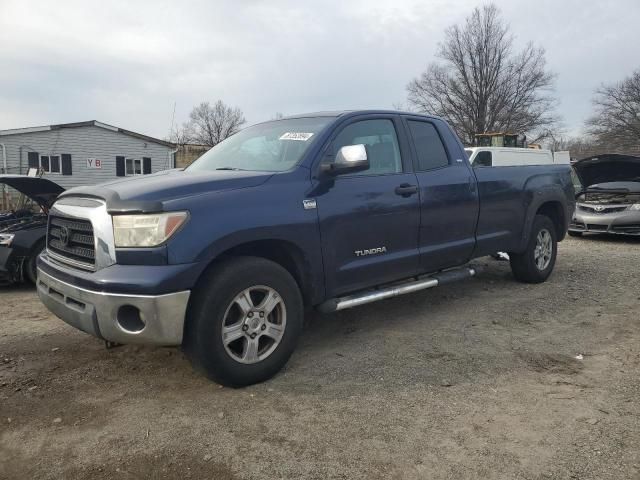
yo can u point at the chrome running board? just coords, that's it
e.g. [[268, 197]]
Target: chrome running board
[[413, 285]]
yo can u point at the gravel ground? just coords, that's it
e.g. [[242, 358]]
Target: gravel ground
[[473, 380]]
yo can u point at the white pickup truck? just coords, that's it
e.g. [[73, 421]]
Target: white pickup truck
[[509, 157]]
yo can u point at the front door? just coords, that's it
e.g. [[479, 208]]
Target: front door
[[369, 220], [448, 197]]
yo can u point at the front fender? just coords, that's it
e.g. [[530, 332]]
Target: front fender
[[273, 211]]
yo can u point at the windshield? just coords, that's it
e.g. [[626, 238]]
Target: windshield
[[270, 147], [577, 185]]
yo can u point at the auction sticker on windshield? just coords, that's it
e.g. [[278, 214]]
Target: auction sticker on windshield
[[301, 136]]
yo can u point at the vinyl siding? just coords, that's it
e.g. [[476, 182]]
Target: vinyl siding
[[82, 143]]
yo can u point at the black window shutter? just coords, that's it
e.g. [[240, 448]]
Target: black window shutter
[[66, 164], [33, 159], [120, 166], [146, 165]]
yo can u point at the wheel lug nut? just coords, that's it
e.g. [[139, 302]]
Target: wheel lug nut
[[253, 335], [261, 314], [263, 327], [250, 314], [245, 328]]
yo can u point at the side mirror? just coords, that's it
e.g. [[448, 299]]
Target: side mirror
[[350, 158]]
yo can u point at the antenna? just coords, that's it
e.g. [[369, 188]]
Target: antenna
[[173, 119]]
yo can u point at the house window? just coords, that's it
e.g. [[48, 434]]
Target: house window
[[133, 166], [50, 163]]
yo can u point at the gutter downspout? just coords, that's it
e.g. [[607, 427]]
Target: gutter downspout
[[173, 157], [4, 170], [4, 158]]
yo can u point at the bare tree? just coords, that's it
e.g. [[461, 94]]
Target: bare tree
[[481, 85], [617, 113], [580, 146], [179, 136], [209, 125]]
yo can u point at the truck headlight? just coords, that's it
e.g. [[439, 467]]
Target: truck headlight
[[6, 239], [635, 206], [148, 230]]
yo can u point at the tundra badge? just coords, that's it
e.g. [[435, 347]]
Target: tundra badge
[[309, 203], [370, 251]]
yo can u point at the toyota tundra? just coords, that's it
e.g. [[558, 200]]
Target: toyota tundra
[[326, 210]]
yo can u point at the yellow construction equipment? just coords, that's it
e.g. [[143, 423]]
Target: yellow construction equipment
[[499, 139]]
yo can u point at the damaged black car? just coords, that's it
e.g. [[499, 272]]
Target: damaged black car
[[23, 227], [608, 198]]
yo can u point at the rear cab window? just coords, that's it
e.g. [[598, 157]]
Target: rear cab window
[[430, 150]]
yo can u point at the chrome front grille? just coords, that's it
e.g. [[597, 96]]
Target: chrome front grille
[[602, 209], [80, 233], [72, 239]]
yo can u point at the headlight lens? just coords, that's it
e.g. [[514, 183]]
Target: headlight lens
[[147, 230], [6, 239], [635, 206]]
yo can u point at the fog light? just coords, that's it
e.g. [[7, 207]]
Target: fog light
[[129, 319]]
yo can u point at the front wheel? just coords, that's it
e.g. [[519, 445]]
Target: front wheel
[[536, 263], [244, 322]]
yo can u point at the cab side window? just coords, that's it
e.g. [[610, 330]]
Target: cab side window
[[379, 138], [483, 159], [429, 148]]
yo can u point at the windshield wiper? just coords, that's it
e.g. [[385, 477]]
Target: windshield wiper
[[231, 168]]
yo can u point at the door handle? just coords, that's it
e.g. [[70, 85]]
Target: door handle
[[406, 190]]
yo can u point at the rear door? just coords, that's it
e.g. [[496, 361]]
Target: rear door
[[369, 220], [448, 195]]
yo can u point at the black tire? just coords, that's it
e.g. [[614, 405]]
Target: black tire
[[524, 265], [212, 299], [30, 267], [574, 234]]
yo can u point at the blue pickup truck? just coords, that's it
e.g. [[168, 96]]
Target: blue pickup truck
[[327, 210]]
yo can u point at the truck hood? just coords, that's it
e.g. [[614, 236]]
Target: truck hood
[[41, 190], [608, 168], [630, 187], [148, 192]]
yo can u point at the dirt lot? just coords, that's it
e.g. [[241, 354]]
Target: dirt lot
[[473, 380]]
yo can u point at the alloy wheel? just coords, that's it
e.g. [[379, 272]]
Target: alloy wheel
[[543, 249], [254, 324]]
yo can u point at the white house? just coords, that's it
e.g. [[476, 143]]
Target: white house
[[83, 153]]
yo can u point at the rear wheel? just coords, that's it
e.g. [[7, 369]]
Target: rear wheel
[[244, 321], [536, 263], [30, 267]]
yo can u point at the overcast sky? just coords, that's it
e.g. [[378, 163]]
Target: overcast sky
[[127, 62]]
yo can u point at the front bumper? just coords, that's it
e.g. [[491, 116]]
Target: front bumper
[[108, 315], [620, 223]]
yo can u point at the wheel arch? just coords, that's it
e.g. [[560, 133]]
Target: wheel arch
[[554, 210], [282, 252], [551, 203]]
